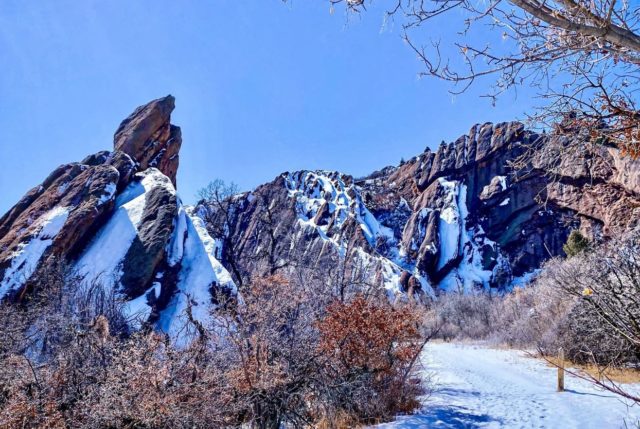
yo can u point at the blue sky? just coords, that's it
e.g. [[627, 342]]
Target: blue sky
[[261, 87]]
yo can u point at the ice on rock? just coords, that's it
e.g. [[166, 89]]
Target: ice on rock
[[200, 271], [449, 226], [469, 274]]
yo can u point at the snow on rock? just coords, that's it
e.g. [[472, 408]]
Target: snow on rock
[[189, 248], [503, 182], [323, 194], [325, 201], [200, 272], [450, 227], [369, 224], [497, 185], [25, 259], [469, 275], [102, 260], [391, 273], [525, 279], [109, 192], [138, 310], [312, 190], [175, 249]]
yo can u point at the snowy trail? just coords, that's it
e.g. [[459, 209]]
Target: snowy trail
[[479, 387]]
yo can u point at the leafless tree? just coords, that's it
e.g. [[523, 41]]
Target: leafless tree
[[601, 328], [218, 210], [607, 280], [582, 56]]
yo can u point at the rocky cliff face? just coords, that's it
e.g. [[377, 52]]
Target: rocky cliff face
[[458, 218], [116, 219]]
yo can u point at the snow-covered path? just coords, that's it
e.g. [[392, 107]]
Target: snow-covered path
[[479, 387]]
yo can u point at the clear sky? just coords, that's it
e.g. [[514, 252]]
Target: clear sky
[[261, 87]]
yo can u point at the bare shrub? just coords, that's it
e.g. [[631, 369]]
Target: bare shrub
[[285, 353], [463, 316], [605, 283], [266, 350], [300, 356], [55, 347], [371, 348], [532, 317], [149, 383], [529, 317]]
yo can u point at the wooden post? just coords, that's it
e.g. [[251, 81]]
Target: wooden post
[[560, 369]]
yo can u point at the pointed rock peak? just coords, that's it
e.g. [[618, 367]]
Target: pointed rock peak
[[148, 136]]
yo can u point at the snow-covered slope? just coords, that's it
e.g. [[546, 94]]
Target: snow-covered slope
[[200, 276], [478, 387], [26, 258], [103, 258], [189, 252]]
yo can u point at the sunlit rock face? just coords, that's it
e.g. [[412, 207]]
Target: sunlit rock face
[[460, 218], [116, 220], [148, 136], [457, 218]]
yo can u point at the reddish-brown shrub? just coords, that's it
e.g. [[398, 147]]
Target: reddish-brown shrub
[[371, 347]]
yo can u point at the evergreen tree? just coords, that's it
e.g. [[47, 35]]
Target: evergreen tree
[[576, 243]]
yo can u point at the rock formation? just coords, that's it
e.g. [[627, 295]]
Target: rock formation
[[457, 218], [148, 136], [116, 219]]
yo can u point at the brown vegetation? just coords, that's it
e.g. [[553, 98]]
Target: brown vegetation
[[586, 304], [284, 354]]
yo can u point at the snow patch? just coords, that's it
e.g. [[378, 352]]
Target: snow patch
[[25, 259], [102, 259], [109, 192], [469, 274], [200, 272], [138, 310], [503, 182], [525, 279]]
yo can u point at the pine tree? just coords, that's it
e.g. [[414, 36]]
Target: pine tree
[[576, 243]]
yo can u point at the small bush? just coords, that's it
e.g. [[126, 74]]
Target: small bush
[[576, 244], [370, 349]]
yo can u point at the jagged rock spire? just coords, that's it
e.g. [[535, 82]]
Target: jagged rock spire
[[77, 198], [148, 137]]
